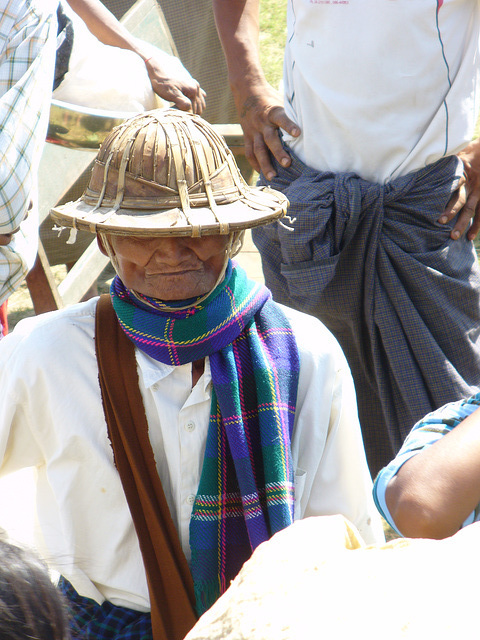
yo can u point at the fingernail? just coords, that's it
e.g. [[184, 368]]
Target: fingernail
[[284, 162], [270, 176], [295, 132], [456, 235], [443, 219]]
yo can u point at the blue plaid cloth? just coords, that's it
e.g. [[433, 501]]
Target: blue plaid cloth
[[92, 621], [372, 262], [425, 433]]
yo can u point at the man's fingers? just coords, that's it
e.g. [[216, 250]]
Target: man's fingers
[[261, 118], [196, 95], [263, 157], [185, 96], [200, 101], [455, 204], [475, 227], [171, 93], [465, 207], [250, 153], [181, 102], [279, 119], [273, 142], [463, 222]]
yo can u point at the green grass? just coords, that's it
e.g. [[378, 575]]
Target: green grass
[[273, 31]]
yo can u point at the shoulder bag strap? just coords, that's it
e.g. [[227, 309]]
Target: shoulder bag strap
[[169, 580]]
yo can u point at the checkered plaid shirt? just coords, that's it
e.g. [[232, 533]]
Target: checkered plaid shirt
[[28, 30]]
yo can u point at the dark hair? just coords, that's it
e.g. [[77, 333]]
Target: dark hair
[[30, 605]]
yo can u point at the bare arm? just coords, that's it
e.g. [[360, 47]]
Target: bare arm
[[435, 491], [259, 106], [179, 88]]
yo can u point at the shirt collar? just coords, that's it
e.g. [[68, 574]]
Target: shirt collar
[[154, 371]]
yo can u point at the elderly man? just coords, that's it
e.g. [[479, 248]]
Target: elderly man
[[180, 422]]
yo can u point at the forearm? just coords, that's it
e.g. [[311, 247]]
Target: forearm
[[238, 27], [435, 491], [169, 79], [259, 106], [104, 26]]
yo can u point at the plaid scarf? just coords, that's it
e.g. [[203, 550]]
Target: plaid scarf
[[246, 490]]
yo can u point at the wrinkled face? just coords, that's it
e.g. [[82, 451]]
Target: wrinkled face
[[167, 268]]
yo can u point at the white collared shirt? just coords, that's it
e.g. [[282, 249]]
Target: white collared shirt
[[51, 417]]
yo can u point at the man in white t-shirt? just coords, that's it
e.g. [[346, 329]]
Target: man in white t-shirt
[[374, 155]]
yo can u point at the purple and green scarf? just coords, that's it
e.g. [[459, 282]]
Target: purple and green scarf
[[246, 490]]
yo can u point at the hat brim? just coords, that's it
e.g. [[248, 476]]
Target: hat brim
[[259, 206]]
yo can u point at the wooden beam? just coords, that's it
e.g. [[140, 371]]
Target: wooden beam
[[83, 274], [42, 286]]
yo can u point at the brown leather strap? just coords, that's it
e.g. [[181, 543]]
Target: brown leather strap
[[169, 580]]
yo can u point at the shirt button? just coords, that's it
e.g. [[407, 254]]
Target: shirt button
[[190, 426], [191, 498], [155, 386]]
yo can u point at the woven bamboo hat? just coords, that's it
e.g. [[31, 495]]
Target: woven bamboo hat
[[167, 172]]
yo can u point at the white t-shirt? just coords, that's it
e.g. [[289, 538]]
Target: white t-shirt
[[51, 417], [381, 87]]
